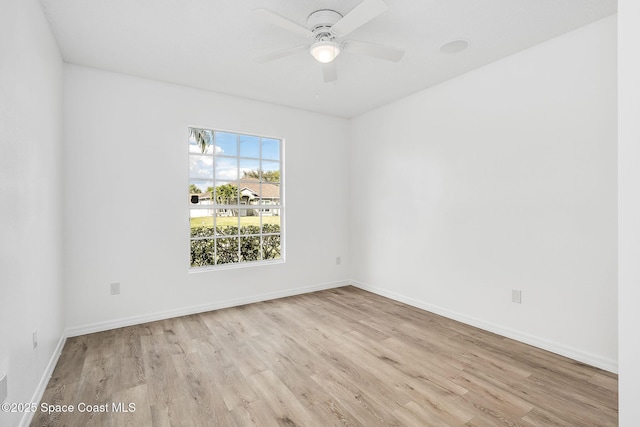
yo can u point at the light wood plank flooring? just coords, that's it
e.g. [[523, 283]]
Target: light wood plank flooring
[[341, 357]]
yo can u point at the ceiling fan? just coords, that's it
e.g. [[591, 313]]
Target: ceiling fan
[[326, 28]]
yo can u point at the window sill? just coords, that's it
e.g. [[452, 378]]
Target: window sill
[[233, 266]]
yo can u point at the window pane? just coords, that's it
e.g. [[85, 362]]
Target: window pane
[[197, 137], [200, 192], [202, 253], [226, 193], [249, 192], [226, 144], [271, 247], [201, 222], [226, 250], [270, 220], [226, 222], [270, 171], [227, 168], [271, 149], [249, 146], [270, 194], [250, 248], [249, 169], [250, 224], [200, 166]]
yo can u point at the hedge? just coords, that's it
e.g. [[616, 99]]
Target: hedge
[[225, 241]]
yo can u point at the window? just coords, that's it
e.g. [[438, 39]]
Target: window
[[235, 199]]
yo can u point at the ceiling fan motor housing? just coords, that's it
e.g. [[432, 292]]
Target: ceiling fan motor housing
[[320, 23]]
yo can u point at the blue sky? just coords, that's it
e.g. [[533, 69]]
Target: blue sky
[[227, 168]]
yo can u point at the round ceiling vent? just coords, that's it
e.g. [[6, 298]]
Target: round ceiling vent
[[454, 46]]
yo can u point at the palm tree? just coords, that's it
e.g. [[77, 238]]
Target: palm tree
[[203, 137], [227, 194], [268, 176]]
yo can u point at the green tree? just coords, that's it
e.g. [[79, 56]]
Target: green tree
[[226, 194], [193, 189], [268, 176]]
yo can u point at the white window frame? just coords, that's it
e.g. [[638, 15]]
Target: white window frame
[[213, 205]]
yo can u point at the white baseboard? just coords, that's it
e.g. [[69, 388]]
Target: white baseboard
[[185, 311], [554, 347], [46, 376]]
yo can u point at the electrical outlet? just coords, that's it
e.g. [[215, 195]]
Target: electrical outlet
[[516, 296], [338, 260], [3, 389], [34, 338], [115, 288]]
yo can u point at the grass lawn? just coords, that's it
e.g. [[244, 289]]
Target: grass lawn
[[233, 220]]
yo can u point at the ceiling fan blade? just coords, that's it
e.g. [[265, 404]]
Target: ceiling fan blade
[[280, 54], [283, 22], [360, 15], [377, 51], [330, 72]]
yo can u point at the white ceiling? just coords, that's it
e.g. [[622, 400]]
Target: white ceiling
[[212, 44]]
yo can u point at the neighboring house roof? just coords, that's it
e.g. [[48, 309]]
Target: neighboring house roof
[[269, 189]]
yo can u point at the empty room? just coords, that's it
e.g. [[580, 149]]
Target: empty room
[[319, 213]]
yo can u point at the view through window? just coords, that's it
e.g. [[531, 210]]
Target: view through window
[[235, 198]]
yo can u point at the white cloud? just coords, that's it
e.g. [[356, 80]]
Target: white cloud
[[194, 148], [200, 167]]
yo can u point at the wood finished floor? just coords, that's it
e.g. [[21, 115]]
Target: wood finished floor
[[341, 357]]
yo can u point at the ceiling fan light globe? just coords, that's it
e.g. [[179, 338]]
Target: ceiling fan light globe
[[325, 51]]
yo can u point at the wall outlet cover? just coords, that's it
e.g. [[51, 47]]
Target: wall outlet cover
[[115, 288], [516, 296]]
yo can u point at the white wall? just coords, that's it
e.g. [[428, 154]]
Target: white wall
[[501, 179], [125, 150], [629, 210], [30, 198]]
